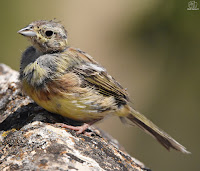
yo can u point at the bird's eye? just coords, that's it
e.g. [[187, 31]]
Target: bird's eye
[[49, 33]]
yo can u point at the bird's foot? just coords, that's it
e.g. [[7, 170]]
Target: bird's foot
[[79, 129]]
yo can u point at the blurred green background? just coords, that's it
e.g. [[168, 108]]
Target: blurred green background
[[151, 47]]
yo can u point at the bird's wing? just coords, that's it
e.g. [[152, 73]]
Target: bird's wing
[[96, 76]]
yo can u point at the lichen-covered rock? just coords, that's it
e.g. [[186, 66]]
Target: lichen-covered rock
[[30, 139]]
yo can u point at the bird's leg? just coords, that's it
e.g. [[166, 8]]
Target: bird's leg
[[79, 129]]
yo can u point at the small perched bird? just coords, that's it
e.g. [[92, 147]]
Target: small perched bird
[[69, 82]]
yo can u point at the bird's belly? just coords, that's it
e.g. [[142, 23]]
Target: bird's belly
[[73, 109], [69, 105]]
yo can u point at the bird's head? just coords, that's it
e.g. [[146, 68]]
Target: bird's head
[[46, 36]]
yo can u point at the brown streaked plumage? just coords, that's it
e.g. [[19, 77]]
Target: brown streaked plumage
[[69, 82]]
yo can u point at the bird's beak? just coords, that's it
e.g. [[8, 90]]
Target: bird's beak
[[27, 31]]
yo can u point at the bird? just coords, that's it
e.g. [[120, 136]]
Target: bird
[[69, 82]]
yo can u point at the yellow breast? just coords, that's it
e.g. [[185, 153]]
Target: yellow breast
[[80, 108]]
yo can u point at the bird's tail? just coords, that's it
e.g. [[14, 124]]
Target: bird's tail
[[149, 127]]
